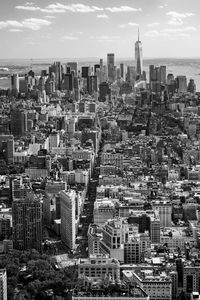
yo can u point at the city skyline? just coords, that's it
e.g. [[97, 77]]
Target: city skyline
[[88, 28]]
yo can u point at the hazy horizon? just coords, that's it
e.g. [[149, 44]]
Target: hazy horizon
[[48, 59]]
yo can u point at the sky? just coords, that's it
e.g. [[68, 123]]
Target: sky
[[93, 28]]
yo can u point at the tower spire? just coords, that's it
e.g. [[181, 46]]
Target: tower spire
[[138, 34]]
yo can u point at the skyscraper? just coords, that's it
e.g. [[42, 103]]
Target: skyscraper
[[122, 70], [73, 67], [68, 217], [85, 71], [163, 74], [18, 121], [15, 84], [3, 284], [57, 69], [181, 84], [7, 147], [131, 75], [68, 82], [92, 84], [138, 57], [111, 66], [27, 223]]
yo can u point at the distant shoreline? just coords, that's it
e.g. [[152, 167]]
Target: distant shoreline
[[47, 61]]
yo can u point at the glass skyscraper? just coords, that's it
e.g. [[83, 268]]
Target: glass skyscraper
[[138, 57]]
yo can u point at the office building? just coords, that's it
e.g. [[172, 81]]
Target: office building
[[104, 209], [181, 84], [111, 67], [54, 140], [174, 278], [136, 247], [50, 84], [155, 229], [170, 78], [50, 201], [113, 233], [5, 226], [158, 285], [94, 237], [15, 84], [68, 217], [155, 77], [151, 74], [57, 69], [112, 158], [92, 84], [19, 187], [138, 57], [140, 218], [3, 284], [41, 84], [98, 292], [73, 67], [18, 122], [7, 148], [27, 223], [122, 70], [96, 67], [98, 266], [68, 82], [85, 71], [23, 85], [191, 86], [164, 208], [93, 136], [163, 74], [104, 91], [191, 278], [131, 75]]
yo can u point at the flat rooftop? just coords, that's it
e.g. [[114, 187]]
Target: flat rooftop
[[112, 291]]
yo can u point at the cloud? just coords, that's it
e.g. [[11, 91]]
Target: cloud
[[176, 19], [79, 7], [70, 37], [50, 17], [123, 9], [61, 8], [15, 30], [162, 6], [106, 38], [154, 24], [153, 34], [128, 24], [27, 7], [103, 16], [171, 32], [31, 23]]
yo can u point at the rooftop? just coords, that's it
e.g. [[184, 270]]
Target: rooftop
[[113, 290]]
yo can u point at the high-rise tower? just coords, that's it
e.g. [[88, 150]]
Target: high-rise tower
[[111, 67], [68, 217], [27, 223], [138, 56]]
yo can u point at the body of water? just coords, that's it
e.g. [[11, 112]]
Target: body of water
[[188, 67]]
